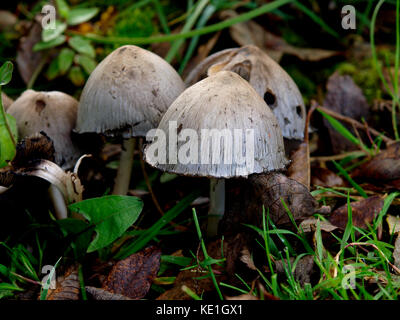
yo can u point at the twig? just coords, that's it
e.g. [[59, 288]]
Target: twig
[[356, 124], [338, 156]]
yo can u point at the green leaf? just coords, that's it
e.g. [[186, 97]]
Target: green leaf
[[6, 73], [9, 286], [80, 15], [63, 8], [51, 34], [152, 232], [50, 44], [111, 215], [82, 46], [65, 59], [76, 76], [53, 70], [7, 148], [88, 64]]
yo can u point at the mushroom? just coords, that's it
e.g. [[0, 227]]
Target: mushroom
[[126, 95], [7, 101], [55, 114], [269, 80], [221, 108]]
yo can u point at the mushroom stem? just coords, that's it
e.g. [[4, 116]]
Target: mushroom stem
[[123, 178], [57, 198], [217, 205]]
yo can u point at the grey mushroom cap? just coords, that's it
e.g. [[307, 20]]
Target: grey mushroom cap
[[127, 93], [52, 112], [221, 101], [267, 77]]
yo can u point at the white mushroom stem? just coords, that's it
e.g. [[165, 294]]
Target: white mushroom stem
[[57, 198], [123, 178], [217, 205]]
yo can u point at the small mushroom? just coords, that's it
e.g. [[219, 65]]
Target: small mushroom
[[269, 80], [52, 112], [7, 101], [244, 133], [55, 114], [126, 95]]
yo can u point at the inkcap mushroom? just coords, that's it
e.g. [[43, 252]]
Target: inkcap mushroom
[[218, 128], [126, 95]]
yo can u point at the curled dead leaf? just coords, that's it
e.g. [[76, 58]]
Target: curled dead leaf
[[68, 287], [101, 294], [363, 212], [133, 276]]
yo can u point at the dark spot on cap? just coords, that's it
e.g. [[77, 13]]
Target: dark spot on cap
[[179, 128], [299, 111], [26, 123], [270, 99], [287, 121], [40, 105], [131, 74], [121, 50], [154, 92]]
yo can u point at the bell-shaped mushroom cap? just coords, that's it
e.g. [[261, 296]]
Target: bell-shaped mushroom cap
[[267, 77], [53, 113], [232, 131], [128, 93], [7, 101]]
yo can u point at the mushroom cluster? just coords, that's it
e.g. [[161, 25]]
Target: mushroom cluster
[[267, 77]]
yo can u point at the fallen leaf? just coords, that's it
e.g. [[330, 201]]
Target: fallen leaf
[[385, 166], [250, 32], [363, 212], [133, 276], [68, 287], [396, 252], [303, 270], [345, 97], [27, 59], [393, 223], [299, 168], [101, 294], [272, 188], [247, 259], [326, 178], [310, 225]]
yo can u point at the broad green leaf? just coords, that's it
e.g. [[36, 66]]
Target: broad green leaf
[[80, 15], [76, 76], [65, 59], [88, 64], [80, 233], [53, 70], [6, 73], [51, 34], [62, 8], [50, 44], [7, 148], [111, 215], [82, 46]]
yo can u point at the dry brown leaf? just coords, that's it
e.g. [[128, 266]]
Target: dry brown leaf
[[247, 259], [303, 270], [68, 287], [300, 165], [310, 225], [393, 223], [385, 166], [250, 32], [345, 97], [326, 178], [101, 294], [363, 212], [27, 60], [272, 188], [133, 276]]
